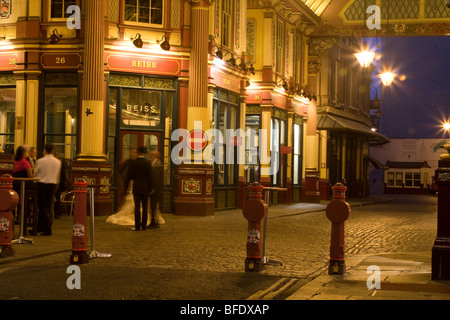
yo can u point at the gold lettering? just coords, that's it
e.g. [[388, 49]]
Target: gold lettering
[[144, 64]]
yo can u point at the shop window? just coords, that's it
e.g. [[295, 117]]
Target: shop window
[[7, 119], [112, 122], [168, 126], [296, 154], [225, 117], [58, 8], [275, 149], [252, 124], [395, 179], [60, 120], [141, 107], [144, 11], [412, 180]]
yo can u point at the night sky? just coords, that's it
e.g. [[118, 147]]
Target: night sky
[[416, 105]]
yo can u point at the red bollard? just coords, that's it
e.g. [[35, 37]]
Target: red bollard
[[79, 235], [9, 199], [255, 211], [337, 212]]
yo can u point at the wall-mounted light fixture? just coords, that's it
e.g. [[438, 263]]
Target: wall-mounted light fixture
[[243, 65], [165, 45], [218, 53], [232, 61], [55, 37], [137, 41], [251, 69]]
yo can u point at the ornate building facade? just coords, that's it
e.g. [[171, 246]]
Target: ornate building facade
[[126, 73]]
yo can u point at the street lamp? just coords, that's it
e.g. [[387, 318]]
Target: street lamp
[[365, 57], [387, 77], [447, 126]]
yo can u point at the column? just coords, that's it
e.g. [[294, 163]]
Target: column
[[91, 162], [195, 179], [32, 107], [440, 260], [312, 175]]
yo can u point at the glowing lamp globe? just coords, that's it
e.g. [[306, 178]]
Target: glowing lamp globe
[[387, 77]]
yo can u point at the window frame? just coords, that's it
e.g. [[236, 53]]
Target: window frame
[[146, 24], [12, 134], [62, 19]]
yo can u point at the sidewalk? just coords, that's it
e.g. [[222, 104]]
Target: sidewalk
[[403, 276]]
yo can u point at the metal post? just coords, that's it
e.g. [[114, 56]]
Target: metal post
[[94, 253], [266, 260], [21, 239]]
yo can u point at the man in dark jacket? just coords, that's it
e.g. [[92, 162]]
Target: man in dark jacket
[[140, 171]]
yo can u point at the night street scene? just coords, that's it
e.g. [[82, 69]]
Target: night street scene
[[225, 159]]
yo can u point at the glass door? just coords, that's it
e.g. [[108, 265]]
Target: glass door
[[129, 142]]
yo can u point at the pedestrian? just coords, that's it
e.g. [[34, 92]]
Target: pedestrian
[[31, 158], [22, 168], [157, 178], [47, 170], [140, 171]]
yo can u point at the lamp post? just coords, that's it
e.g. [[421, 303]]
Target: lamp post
[[440, 261]]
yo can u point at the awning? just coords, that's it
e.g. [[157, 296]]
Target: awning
[[377, 164], [337, 123]]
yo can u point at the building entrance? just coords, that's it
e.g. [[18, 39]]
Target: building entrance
[[129, 142]]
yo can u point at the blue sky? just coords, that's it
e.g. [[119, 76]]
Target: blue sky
[[418, 102]]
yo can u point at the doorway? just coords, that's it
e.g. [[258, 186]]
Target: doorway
[[130, 140]]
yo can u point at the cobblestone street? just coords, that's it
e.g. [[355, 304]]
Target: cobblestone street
[[216, 245]]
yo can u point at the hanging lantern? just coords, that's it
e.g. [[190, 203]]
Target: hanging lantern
[[387, 77], [365, 57]]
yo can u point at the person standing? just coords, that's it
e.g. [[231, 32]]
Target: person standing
[[47, 170], [32, 157], [140, 171], [157, 178], [22, 168]]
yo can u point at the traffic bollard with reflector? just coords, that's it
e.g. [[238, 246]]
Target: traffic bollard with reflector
[[9, 199], [255, 210], [337, 212], [79, 235]]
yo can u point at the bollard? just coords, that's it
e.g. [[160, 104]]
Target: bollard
[[255, 210], [337, 212], [9, 199], [79, 235]]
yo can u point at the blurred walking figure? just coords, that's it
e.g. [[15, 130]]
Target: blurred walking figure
[[140, 171], [157, 177], [47, 170]]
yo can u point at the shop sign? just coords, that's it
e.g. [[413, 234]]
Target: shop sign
[[8, 61], [60, 60], [142, 64]]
